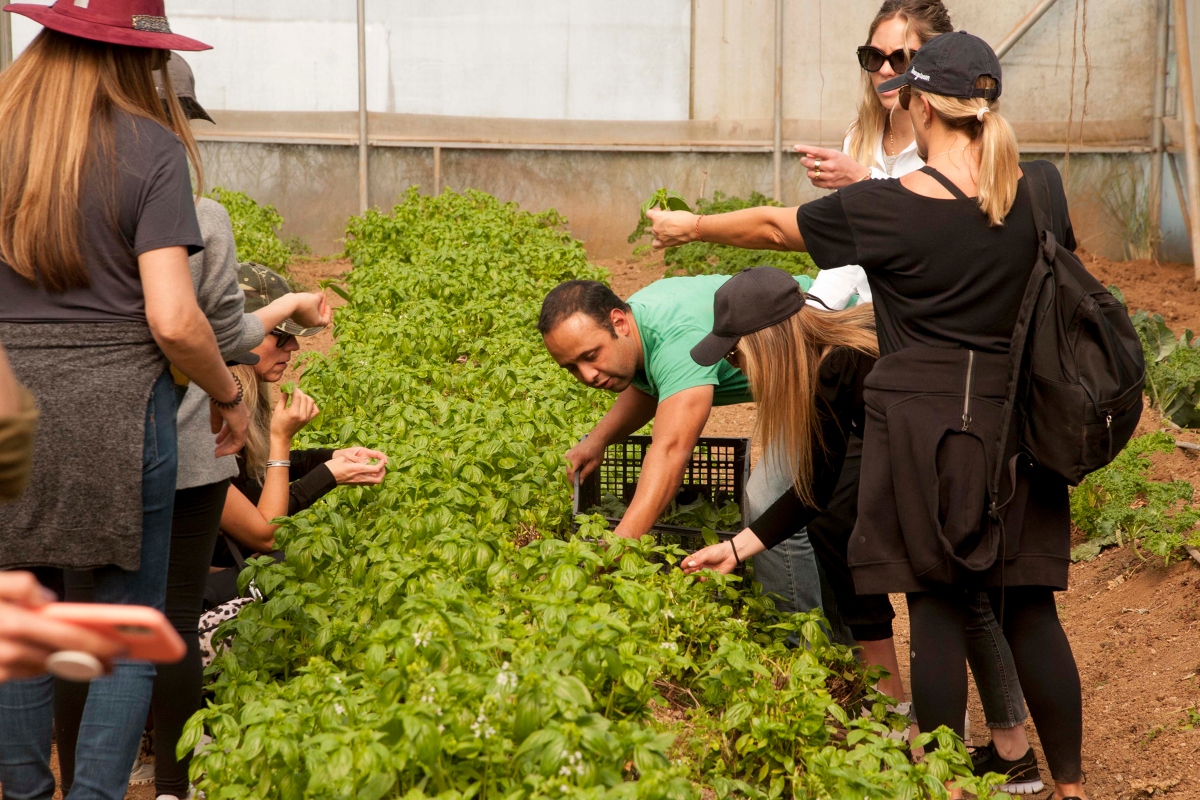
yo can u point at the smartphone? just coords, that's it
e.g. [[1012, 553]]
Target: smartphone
[[144, 631]]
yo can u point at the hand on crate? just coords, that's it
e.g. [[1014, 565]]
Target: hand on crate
[[584, 458]]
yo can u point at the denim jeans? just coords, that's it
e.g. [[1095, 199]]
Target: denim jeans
[[789, 569], [992, 666], [117, 704]]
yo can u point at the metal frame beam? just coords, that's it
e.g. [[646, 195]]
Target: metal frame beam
[[1023, 27], [363, 143]]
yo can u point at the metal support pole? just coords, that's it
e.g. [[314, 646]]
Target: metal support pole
[[1156, 125], [778, 191], [6, 43], [1187, 107], [1023, 27], [362, 106], [1180, 192], [437, 169]]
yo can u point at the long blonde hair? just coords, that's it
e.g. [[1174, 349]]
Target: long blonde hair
[[927, 18], [256, 394], [783, 364], [56, 107], [999, 159]]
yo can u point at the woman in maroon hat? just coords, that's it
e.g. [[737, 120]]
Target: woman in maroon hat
[[97, 220]]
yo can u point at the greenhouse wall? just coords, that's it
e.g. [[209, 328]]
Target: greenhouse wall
[[589, 105]]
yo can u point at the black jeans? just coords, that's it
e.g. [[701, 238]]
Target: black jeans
[[1045, 666], [177, 687]]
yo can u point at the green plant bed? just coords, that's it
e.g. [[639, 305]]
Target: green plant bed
[[1120, 505], [1172, 369], [704, 258], [256, 230], [408, 648]]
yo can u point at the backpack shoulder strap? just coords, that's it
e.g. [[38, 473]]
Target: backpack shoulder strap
[[944, 181], [1039, 196]]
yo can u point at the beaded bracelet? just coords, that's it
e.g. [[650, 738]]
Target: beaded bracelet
[[235, 401]]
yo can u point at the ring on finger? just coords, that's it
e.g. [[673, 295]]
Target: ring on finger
[[818, 165], [818, 172]]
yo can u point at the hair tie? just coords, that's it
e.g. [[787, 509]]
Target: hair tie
[[979, 114]]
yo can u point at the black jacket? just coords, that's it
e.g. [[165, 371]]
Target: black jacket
[[930, 445]]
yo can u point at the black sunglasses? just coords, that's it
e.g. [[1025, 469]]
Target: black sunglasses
[[731, 358], [871, 59], [904, 96], [282, 338]]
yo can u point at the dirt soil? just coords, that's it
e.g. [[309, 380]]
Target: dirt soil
[[1134, 624]]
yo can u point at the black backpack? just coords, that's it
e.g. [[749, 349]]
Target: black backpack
[[1075, 384]]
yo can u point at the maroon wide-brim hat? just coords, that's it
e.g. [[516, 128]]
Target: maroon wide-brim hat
[[135, 23]]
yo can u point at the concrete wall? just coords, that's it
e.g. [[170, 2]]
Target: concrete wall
[[314, 187]]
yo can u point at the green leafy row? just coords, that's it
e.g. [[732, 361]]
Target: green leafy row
[[409, 648], [1172, 369], [255, 229], [1121, 505], [704, 258]]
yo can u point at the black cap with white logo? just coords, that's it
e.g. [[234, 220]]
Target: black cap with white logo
[[755, 298], [950, 65]]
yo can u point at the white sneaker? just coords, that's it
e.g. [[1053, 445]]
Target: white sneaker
[[143, 766], [142, 773]]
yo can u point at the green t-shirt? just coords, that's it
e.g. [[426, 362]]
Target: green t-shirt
[[672, 316]]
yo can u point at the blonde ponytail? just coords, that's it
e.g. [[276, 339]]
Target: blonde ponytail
[[999, 167]]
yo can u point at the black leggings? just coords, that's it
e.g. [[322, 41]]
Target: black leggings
[[177, 687], [1040, 649]]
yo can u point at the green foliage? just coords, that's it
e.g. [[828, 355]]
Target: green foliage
[[255, 230], [408, 648], [1172, 369], [1121, 505], [700, 513], [705, 258]]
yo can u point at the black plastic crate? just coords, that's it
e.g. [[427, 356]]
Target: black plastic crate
[[717, 469]]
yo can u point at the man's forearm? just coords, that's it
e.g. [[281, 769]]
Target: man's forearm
[[631, 411], [662, 473]]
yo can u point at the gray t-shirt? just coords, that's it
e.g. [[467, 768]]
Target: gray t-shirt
[[154, 209]]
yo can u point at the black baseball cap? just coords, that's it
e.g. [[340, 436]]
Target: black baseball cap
[[755, 298], [949, 65]]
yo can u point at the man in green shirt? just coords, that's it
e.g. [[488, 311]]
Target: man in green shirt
[[641, 350]]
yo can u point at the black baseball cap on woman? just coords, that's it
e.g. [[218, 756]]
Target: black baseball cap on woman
[[755, 298], [949, 65]]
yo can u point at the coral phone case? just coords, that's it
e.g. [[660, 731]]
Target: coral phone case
[[144, 631]]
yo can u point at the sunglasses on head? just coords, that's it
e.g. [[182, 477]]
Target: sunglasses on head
[[282, 338], [871, 59]]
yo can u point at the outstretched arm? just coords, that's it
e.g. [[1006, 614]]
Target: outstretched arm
[[762, 228], [677, 425]]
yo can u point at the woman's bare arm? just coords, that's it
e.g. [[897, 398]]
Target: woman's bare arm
[[247, 524], [762, 228]]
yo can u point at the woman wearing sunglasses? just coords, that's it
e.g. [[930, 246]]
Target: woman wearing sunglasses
[[274, 480], [948, 251], [879, 143]]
